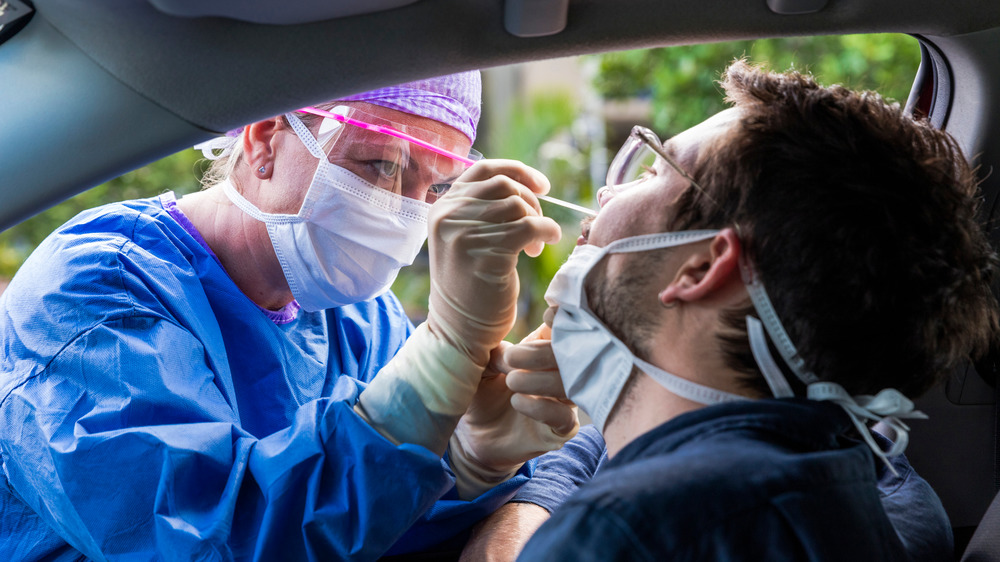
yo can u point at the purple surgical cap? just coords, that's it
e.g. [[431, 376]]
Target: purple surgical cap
[[454, 99]]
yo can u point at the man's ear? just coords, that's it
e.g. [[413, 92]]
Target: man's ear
[[706, 270], [258, 147]]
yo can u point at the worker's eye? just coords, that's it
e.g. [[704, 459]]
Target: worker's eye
[[385, 168], [436, 191]]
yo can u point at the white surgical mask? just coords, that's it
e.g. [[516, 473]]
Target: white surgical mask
[[349, 239], [593, 363]]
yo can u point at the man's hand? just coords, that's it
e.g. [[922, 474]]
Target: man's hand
[[533, 376], [519, 412]]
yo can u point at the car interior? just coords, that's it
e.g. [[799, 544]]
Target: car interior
[[91, 90]]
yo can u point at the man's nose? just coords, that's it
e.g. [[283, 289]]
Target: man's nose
[[604, 195]]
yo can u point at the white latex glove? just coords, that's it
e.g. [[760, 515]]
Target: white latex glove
[[476, 232], [501, 429]]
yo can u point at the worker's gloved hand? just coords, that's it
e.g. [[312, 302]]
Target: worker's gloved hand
[[519, 411], [476, 232]]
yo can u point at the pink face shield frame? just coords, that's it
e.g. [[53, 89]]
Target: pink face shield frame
[[468, 161]]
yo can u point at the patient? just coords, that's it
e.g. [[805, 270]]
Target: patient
[[753, 295]]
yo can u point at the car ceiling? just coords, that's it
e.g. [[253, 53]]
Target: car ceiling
[[94, 89]]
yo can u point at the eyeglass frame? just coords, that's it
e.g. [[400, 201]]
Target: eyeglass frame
[[652, 140]]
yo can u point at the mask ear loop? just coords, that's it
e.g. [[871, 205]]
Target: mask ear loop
[[305, 136], [216, 148], [762, 355], [772, 324], [644, 242], [888, 406], [684, 388], [773, 376]]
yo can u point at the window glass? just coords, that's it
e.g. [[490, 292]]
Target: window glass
[[564, 117]]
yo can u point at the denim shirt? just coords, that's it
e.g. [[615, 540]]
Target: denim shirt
[[754, 480]]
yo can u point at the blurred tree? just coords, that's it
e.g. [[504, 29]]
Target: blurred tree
[[179, 173], [680, 82]]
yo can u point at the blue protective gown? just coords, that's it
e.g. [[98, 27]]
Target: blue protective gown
[[149, 408]]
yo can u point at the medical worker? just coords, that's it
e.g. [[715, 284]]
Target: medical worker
[[181, 378]]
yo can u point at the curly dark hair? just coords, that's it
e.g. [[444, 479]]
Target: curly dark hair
[[860, 221]]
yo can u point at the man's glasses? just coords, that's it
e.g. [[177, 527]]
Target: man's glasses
[[639, 158]]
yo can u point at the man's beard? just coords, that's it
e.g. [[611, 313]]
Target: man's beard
[[627, 304]]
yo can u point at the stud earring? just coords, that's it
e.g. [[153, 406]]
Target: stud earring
[[262, 169]]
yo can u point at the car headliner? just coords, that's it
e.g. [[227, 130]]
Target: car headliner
[[96, 88], [104, 86]]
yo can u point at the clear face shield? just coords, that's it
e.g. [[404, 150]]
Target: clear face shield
[[403, 159]]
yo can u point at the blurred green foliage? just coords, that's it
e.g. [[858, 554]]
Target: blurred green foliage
[[179, 173], [547, 133], [681, 81]]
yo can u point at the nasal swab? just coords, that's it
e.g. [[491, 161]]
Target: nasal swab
[[568, 205]]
